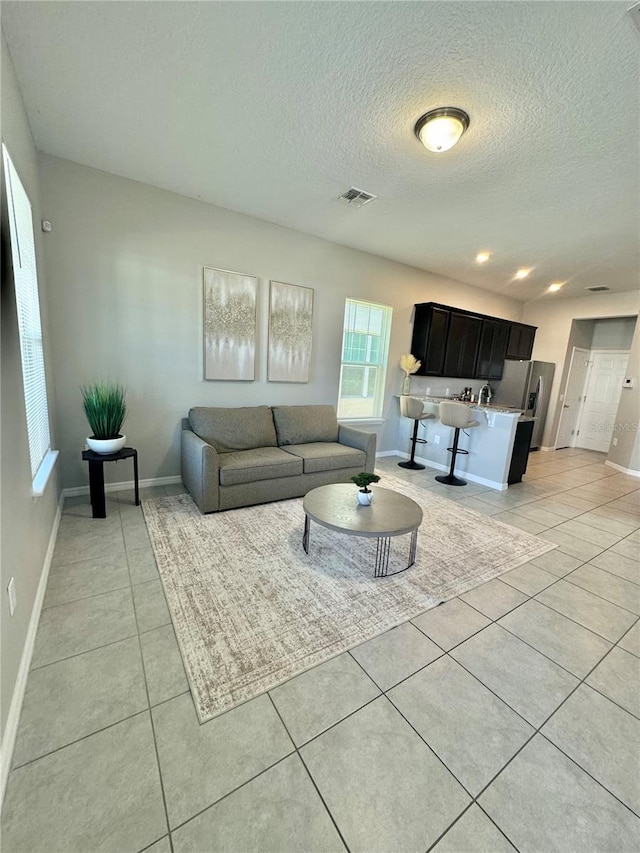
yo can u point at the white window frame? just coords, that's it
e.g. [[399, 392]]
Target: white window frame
[[25, 276], [351, 303]]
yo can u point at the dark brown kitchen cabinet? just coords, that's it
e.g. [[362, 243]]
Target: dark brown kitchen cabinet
[[521, 448], [454, 342], [492, 349], [521, 340], [429, 343], [462, 345]]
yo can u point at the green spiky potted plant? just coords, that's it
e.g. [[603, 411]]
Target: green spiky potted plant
[[106, 409], [363, 480]]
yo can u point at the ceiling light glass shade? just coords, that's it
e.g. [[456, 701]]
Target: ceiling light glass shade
[[440, 129]]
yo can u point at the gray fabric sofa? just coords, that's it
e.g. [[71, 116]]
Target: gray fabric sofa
[[244, 456]]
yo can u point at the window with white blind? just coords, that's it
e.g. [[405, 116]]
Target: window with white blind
[[23, 255], [365, 347]]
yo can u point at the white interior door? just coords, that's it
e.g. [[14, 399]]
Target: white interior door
[[604, 386], [573, 397]]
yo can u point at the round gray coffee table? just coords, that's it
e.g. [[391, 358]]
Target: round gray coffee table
[[390, 514]]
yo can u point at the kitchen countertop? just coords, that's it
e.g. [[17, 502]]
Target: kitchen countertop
[[505, 410]]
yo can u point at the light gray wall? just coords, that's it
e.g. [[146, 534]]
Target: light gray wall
[[26, 523], [627, 452], [124, 266], [554, 318], [580, 335], [616, 333]]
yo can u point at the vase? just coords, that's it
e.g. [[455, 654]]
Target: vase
[[106, 445], [406, 386], [364, 498]]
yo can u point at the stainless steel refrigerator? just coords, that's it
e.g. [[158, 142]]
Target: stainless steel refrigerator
[[527, 385]]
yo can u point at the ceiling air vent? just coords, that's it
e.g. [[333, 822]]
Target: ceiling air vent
[[356, 197], [599, 288]]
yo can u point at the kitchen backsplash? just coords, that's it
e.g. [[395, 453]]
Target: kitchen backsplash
[[443, 386]]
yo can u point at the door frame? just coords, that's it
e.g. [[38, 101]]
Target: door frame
[[587, 354], [593, 353]]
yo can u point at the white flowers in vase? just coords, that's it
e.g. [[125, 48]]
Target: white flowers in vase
[[410, 365]]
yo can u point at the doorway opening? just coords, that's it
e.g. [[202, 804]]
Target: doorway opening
[[591, 398], [591, 383]]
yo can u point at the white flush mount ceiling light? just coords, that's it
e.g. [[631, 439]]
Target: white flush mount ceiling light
[[440, 129], [483, 257], [555, 286], [523, 273]]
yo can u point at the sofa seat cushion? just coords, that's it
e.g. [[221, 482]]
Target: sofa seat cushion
[[327, 456], [305, 424], [229, 429], [261, 463]]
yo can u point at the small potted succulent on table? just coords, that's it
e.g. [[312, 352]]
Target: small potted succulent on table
[[105, 408], [363, 481]]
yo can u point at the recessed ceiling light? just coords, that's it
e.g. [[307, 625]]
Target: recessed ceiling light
[[482, 257], [522, 273], [440, 129], [555, 286]]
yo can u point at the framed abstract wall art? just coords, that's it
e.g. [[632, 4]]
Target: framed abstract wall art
[[230, 300], [290, 332]]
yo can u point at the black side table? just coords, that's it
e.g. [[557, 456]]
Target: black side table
[[96, 476]]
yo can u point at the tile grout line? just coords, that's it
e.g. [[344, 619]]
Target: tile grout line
[[308, 772], [86, 597], [78, 740], [146, 687], [544, 604], [445, 653], [229, 793], [84, 652], [383, 693], [511, 610], [581, 681], [538, 730]]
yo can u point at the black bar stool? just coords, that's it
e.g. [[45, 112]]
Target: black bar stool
[[458, 416], [413, 407]]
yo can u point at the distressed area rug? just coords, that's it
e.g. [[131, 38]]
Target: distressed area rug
[[251, 609]]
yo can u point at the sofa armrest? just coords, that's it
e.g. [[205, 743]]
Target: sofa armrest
[[200, 471], [361, 440]]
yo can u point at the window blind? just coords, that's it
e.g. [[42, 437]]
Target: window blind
[[28, 309]]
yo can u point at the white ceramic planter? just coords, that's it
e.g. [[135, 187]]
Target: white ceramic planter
[[107, 445], [364, 498]]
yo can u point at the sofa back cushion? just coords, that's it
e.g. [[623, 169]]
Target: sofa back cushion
[[305, 424], [234, 429]]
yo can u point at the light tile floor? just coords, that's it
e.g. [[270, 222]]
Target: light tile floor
[[508, 718]]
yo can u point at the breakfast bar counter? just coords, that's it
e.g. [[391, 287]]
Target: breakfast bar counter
[[490, 445]]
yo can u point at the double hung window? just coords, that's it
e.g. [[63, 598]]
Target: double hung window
[[25, 276], [365, 347]]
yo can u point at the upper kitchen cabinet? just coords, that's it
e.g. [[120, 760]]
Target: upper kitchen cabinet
[[521, 340], [462, 344], [429, 342], [492, 349], [458, 343]]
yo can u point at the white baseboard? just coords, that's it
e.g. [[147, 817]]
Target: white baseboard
[[628, 471], [126, 484], [13, 718], [465, 475], [382, 453], [545, 449]]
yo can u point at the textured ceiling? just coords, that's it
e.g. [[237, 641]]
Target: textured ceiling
[[274, 109]]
